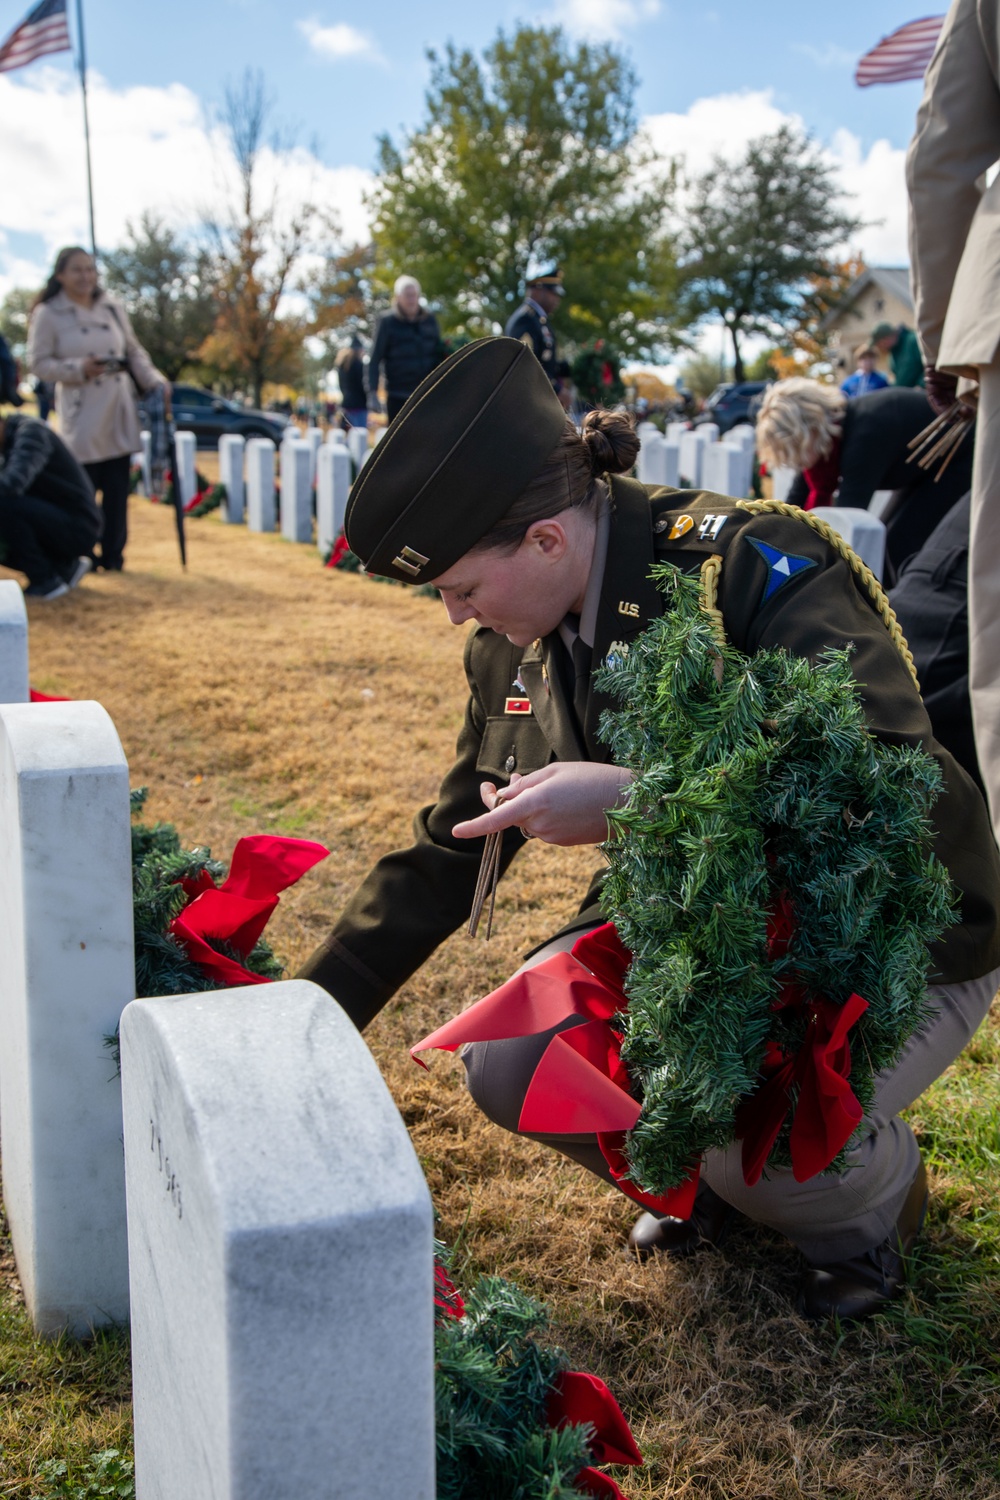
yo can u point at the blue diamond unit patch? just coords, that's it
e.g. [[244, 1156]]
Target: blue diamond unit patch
[[782, 567]]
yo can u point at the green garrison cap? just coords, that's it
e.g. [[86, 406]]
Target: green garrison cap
[[466, 444]]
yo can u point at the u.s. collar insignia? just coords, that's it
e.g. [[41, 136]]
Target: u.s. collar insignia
[[782, 567], [680, 527]]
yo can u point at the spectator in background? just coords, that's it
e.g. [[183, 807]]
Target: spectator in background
[[350, 368], [49, 521], [846, 450], [530, 323], [8, 376], [865, 378], [903, 348], [407, 342], [80, 337]]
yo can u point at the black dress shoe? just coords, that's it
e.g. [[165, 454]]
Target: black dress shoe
[[854, 1289], [708, 1226]]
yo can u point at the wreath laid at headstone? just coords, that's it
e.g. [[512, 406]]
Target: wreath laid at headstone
[[512, 1421]]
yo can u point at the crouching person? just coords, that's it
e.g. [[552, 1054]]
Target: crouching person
[[49, 520]]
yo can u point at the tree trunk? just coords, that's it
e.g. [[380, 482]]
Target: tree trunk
[[739, 374]]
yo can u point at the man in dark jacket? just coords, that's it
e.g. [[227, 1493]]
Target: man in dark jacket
[[903, 348], [530, 323], [407, 342], [49, 520]]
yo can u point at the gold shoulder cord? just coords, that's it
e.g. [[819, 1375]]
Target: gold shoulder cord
[[712, 566]]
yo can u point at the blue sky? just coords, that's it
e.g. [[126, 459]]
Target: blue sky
[[339, 75]]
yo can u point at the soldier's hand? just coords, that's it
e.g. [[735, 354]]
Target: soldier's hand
[[561, 804]]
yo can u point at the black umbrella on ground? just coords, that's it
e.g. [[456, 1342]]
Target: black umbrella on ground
[[163, 458]]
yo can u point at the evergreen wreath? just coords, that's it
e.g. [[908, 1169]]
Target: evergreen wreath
[[159, 864], [758, 786], [596, 373], [500, 1434]]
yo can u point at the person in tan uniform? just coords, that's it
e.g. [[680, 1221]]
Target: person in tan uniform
[[532, 532], [955, 268], [81, 338]]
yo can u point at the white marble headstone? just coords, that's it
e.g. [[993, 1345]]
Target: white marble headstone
[[13, 644], [692, 449], [333, 486], [261, 512], [357, 444], [709, 431], [863, 532], [66, 971], [231, 451], [146, 462], [184, 446], [296, 491], [724, 469], [314, 437], [782, 479], [280, 1254], [646, 462]]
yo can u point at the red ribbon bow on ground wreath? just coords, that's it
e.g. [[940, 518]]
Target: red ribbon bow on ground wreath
[[238, 911], [581, 1085], [577, 1398]]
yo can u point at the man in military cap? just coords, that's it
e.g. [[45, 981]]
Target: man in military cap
[[530, 323], [531, 531]]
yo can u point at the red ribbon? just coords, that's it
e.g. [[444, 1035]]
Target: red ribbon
[[580, 1086], [34, 697], [237, 912], [447, 1298], [577, 1398], [827, 1112]]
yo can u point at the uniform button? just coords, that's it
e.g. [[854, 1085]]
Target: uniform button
[[509, 764]]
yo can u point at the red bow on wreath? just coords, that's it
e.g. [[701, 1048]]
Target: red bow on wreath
[[237, 912], [581, 1085], [577, 1398]]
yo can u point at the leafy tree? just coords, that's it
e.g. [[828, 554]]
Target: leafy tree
[[14, 310], [259, 244], [342, 296], [756, 233], [530, 152], [701, 374], [167, 286]]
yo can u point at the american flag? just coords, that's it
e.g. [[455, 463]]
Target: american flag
[[902, 54], [43, 30]]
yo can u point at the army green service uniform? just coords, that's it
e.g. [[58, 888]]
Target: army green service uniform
[[781, 584]]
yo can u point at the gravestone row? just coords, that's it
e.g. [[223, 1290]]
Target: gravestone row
[[268, 1226]]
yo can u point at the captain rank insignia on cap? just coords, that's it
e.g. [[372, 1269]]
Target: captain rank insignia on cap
[[410, 561]]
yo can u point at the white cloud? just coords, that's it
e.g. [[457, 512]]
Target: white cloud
[[602, 20], [827, 56], [152, 148], [724, 124], [338, 41]]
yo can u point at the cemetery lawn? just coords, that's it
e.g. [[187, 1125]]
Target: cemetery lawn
[[261, 693]]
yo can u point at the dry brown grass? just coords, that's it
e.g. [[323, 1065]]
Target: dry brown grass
[[258, 692]]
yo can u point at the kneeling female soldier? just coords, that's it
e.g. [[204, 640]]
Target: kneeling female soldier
[[483, 488]]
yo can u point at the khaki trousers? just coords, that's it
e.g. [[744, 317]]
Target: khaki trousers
[[833, 1216], [984, 587]]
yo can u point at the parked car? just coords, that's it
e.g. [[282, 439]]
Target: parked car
[[209, 416], [730, 404]]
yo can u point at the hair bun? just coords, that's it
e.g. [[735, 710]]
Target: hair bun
[[610, 439]]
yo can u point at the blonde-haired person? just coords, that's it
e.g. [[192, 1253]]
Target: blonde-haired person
[[846, 450], [407, 342], [80, 338]]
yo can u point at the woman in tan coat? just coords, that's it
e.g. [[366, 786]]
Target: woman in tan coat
[[81, 338]]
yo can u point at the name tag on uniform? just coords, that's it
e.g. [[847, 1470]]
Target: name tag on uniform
[[517, 706]]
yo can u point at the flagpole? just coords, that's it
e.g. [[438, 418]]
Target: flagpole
[[86, 122]]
